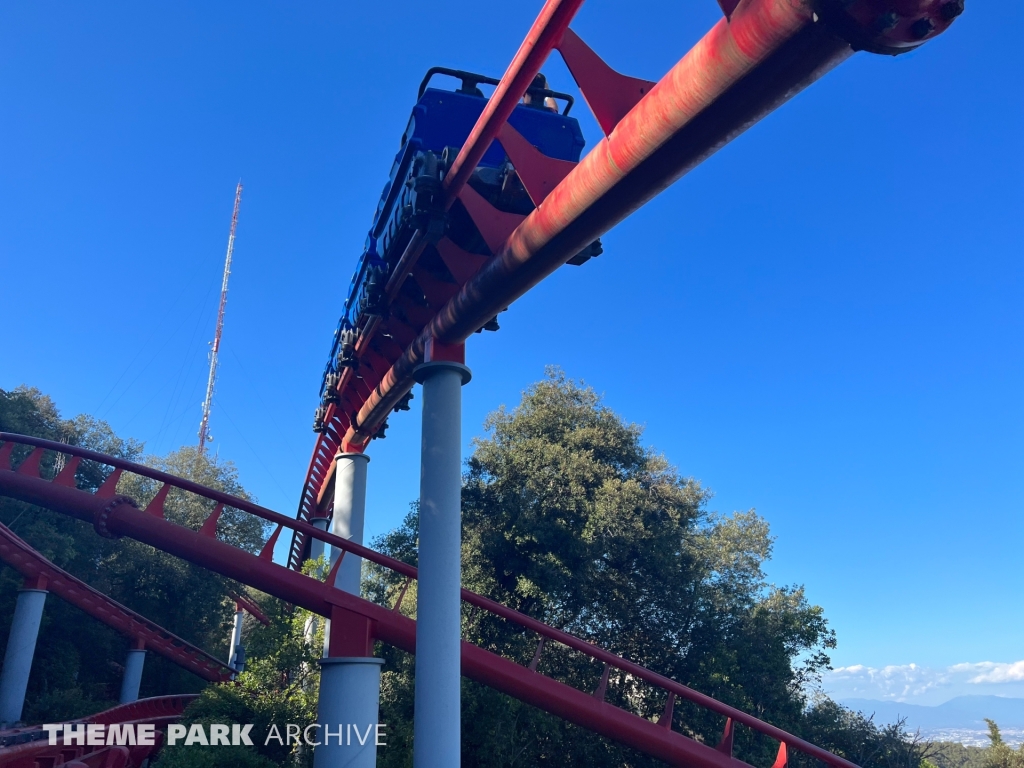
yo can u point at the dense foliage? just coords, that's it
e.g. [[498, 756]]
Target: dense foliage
[[279, 685], [569, 518], [77, 668], [952, 754], [1000, 754]]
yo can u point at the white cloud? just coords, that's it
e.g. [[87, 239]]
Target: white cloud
[[913, 683], [991, 672]]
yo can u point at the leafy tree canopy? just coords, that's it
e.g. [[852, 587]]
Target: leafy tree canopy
[[570, 518], [280, 685], [567, 516], [77, 668]]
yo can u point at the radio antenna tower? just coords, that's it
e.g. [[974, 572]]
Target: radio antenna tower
[[204, 425]]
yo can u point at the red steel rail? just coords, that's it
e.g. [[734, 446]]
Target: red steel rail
[[31, 564], [115, 515], [745, 67], [152, 710], [30, 747], [543, 37], [752, 61]]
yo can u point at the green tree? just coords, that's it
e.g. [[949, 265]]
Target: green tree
[[1000, 754], [952, 754], [77, 667], [569, 518], [279, 685]]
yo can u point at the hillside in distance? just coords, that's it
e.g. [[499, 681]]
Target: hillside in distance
[[960, 719]]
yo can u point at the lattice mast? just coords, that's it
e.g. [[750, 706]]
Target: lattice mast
[[204, 425]]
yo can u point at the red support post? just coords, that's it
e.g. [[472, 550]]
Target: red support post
[[439, 352], [539, 173], [35, 581], [351, 634]]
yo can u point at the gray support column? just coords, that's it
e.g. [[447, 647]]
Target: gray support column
[[316, 549], [316, 546], [236, 639], [347, 522], [349, 512], [437, 726], [347, 713], [132, 679], [21, 647], [349, 700]]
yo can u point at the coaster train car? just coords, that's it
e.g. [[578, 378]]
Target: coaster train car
[[411, 200], [476, 214]]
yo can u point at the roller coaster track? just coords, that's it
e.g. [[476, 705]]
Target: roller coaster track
[[754, 59], [30, 747], [32, 565], [356, 622]]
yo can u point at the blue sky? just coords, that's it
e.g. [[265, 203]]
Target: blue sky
[[823, 322]]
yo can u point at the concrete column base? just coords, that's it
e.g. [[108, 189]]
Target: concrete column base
[[349, 705]]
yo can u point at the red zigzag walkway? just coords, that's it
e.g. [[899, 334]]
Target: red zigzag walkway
[[365, 621]]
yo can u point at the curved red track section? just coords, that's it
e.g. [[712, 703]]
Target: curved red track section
[[27, 561], [29, 747], [116, 515]]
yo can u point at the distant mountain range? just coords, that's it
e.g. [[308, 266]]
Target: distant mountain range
[[963, 712]]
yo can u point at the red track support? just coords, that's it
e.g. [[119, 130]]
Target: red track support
[[243, 603], [609, 94], [27, 561], [728, 6], [539, 173], [543, 36]]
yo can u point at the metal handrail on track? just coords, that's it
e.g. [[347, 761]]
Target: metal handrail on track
[[19, 555], [26, 483]]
